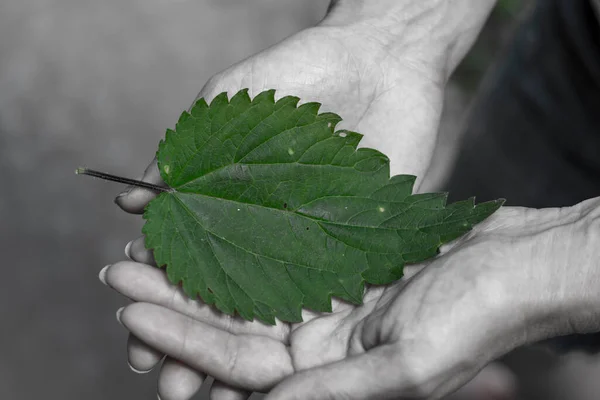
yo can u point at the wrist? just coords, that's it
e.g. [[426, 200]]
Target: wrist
[[428, 33], [579, 296], [564, 274]]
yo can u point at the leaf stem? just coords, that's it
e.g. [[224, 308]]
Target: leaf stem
[[127, 181]]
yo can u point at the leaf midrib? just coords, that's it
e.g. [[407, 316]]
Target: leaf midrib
[[317, 219], [214, 171]]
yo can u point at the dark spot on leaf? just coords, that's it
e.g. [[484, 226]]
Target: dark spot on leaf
[[284, 205], [307, 228], [209, 290]]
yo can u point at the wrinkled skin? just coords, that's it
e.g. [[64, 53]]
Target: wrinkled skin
[[423, 336]]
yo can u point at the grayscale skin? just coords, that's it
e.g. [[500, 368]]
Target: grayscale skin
[[382, 65], [500, 287]]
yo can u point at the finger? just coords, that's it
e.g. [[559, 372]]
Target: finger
[[177, 381], [134, 199], [222, 391], [141, 357], [147, 284], [248, 361], [371, 375], [136, 250]]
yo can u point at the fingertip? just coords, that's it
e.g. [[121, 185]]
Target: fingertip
[[140, 316], [141, 357], [117, 275], [134, 199], [139, 282], [139, 253]]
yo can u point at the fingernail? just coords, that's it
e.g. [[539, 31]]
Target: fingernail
[[102, 274], [137, 371], [119, 312], [127, 249], [122, 194], [125, 192]]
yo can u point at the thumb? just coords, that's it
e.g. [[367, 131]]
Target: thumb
[[134, 199], [373, 375]]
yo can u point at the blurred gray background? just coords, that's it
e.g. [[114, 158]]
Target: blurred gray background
[[96, 83]]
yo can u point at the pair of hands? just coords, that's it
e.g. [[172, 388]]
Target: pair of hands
[[421, 337]]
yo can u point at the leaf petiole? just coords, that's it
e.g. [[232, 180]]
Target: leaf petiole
[[127, 181]]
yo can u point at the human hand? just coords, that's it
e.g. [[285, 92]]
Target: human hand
[[388, 90], [422, 337], [407, 339], [381, 64]]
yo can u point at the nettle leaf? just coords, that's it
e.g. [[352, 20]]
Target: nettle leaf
[[273, 210]]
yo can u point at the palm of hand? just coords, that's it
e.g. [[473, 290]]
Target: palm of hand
[[382, 95], [324, 338]]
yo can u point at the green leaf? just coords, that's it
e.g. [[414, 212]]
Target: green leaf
[[273, 210]]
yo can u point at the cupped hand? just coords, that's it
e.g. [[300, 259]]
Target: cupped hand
[[390, 97], [421, 337]]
